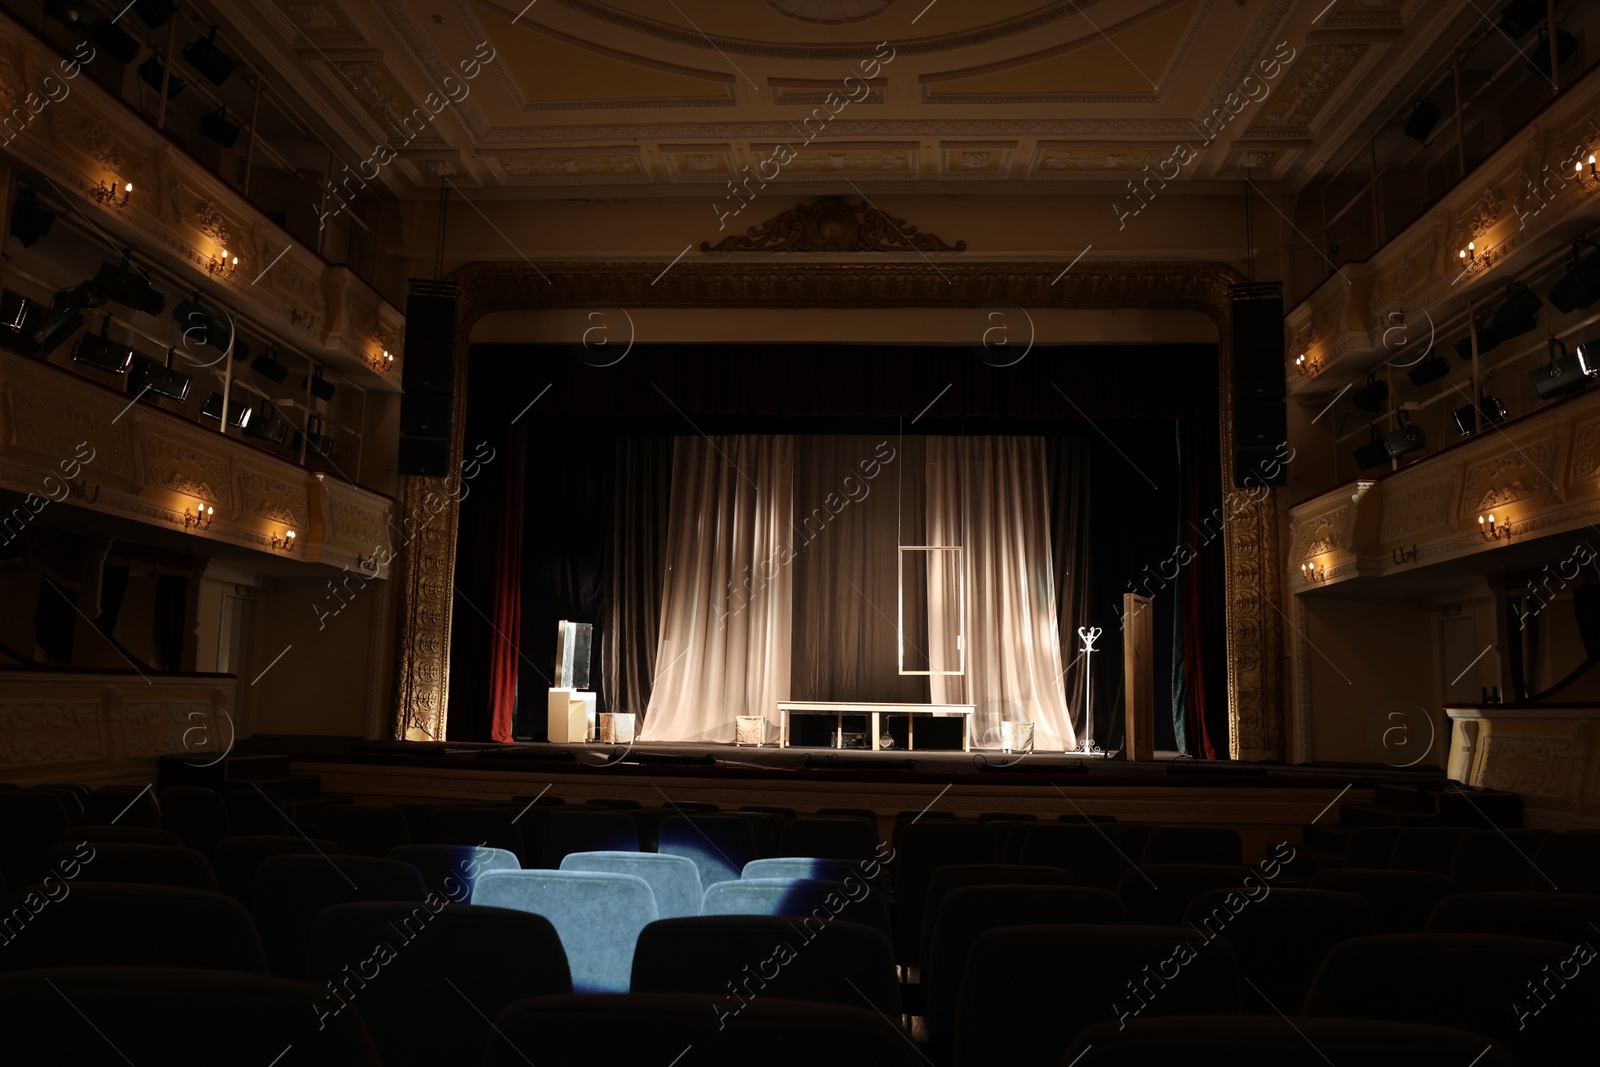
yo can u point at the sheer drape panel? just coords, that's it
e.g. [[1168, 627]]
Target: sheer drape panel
[[990, 495], [637, 569], [724, 644]]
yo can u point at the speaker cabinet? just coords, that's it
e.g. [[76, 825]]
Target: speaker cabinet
[[1256, 341], [429, 379], [425, 457], [1260, 437]]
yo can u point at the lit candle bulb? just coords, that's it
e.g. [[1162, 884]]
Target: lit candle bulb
[[128, 189], [291, 535]]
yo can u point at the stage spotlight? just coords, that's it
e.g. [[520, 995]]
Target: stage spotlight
[[1493, 411], [317, 443], [267, 365], [213, 63], [153, 376], [113, 38], [321, 388], [238, 413], [216, 127], [1407, 439], [1579, 288], [128, 287], [1566, 45], [1424, 117], [1429, 370], [101, 352], [29, 221], [1520, 16], [14, 308], [1371, 397], [1517, 316], [1371, 454], [151, 72], [69, 12], [154, 13], [203, 324], [1564, 373], [266, 426], [64, 318]]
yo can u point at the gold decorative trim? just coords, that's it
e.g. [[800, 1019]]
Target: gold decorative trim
[[1253, 621], [833, 224]]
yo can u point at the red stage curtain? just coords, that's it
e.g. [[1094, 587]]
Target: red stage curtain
[[505, 649]]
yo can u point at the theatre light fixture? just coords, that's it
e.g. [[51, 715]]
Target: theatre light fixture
[[212, 62], [29, 220], [1371, 454], [285, 543], [265, 425], [1313, 572], [1492, 408], [1424, 117], [1429, 370], [153, 376], [1517, 316], [111, 195], [1371, 397], [154, 13], [101, 352], [198, 517], [1580, 286], [381, 362], [267, 365], [1564, 373], [152, 70], [216, 127], [222, 266], [1489, 530], [1407, 439], [238, 413], [320, 387], [129, 286]]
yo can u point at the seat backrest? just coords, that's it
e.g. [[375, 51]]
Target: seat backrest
[[125, 835], [577, 830], [1570, 860], [236, 859], [142, 864], [1401, 900], [1219, 845], [491, 827], [291, 890], [837, 837], [815, 902], [1090, 852], [386, 956], [720, 845], [365, 830], [735, 959], [674, 880], [161, 1015], [1491, 860], [597, 914], [1519, 913], [122, 805], [1232, 1040], [820, 870], [1159, 893], [1370, 848], [1281, 937], [925, 846], [1533, 996], [946, 879], [91, 923], [31, 821], [257, 812], [1426, 848], [647, 1028], [967, 912], [451, 870], [1015, 1012], [199, 816], [616, 804]]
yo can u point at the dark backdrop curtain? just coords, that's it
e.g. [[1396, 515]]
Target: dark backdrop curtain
[[1199, 671], [1071, 547], [640, 497], [505, 655]]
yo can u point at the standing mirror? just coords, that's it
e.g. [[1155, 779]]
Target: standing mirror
[[933, 610], [572, 654]]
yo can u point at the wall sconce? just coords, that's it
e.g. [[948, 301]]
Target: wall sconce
[[381, 362], [80, 489], [1404, 555], [1313, 572], [300, 318], [198, 517], [1578, 170], [1489, 531], [1473, 260], [284, 543], [110, 196], [1308, 365], [223, 266]]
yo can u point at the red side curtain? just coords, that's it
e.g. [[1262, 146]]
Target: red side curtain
[[505, 648]]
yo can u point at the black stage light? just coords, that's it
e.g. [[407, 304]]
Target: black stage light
[[29, 221], [1578, 288], [321, 388], [102, 353], [1371, 454], [1407, 439], [64, 318], [105, 32], [267, 365], [153, 376], [212, 62], [216, 127], [1493, 411], [1424, 117], [1564, 373], [153, 69], [154, 13], [14, 308], [203, 324], [1539, 60], [1429, 370], [238, 413], [69, 12], [317, 443], [266, 426], [128, 287], [1373, 396], [1517, 316], [1520, 16]]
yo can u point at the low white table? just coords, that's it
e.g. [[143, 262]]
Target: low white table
[[875, 711]]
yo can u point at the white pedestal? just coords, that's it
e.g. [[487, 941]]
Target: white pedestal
[[570, 716]]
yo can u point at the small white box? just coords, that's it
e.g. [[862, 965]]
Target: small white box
[[1016, 736], [749, 730], [570, 716], [616, 728]]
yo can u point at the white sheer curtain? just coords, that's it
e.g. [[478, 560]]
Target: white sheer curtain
[[990, 495], [724, 643]]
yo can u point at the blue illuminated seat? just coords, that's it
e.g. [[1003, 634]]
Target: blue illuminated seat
[[801, 898], [817, 869], [451, 870], [720, 845], [595, 830], [598, 915], [674, 880]]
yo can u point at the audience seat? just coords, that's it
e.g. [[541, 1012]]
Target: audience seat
[[1370, 848], [417, 813], [837, 837], [1282, 938], [122, 805], [1008, 816], [825, 901], [1401, 900], [1081, 817], [783, 813], [365, 830], [71, 800], [924, 847], [30, 822], [102, 861], [735, 959], [1571, 860], [647, 824], [1011, 1011], [450, 870], [125, 835], [114, 1016], [674, 880], [291, 890], [94, 923], [853, 813], [1489, 860], [957, 876], [1525, 913], [1159, 893], [490, 827], [1530, 995], [1218, 845], [256, 812], [766, 828], [236, 859], [720, 845], [1426, 848], [659, 1028], [691, 807], [598, 915], [820, 870], [576, 830], [612, 803], [1247, 1040], [429, 982], [1090, 852], [198, 816]]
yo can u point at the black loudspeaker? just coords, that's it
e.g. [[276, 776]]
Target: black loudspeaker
[[1260, 433], [1256, 341], [429, 379]]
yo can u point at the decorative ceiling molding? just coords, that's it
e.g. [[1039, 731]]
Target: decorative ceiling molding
[[830, 12], [833, 224]]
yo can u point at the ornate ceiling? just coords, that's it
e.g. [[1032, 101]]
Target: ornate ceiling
[[674, 95]]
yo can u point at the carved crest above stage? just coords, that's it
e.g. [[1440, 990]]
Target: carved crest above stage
[[833, 224]]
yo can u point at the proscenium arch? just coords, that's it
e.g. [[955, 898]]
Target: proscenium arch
[[1250, 547]]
